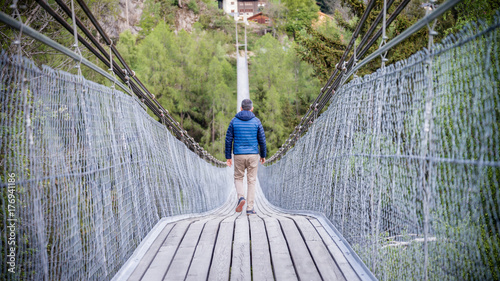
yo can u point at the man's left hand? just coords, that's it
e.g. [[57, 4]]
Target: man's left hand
[[229, 162]]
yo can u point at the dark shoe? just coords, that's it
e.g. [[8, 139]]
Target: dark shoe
[[251, 212], [241, 203]]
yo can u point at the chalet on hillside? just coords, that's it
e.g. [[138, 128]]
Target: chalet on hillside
[[242, 8], [259, 18]]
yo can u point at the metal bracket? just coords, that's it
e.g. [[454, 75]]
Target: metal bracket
[[111, 63], [383, 56]]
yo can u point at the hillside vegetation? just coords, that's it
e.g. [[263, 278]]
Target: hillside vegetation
[[193, 74]]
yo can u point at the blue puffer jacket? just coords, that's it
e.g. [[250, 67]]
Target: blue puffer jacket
[[248, 134]]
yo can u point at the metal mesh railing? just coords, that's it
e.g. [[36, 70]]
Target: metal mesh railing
[[85, 175], [406, 163]]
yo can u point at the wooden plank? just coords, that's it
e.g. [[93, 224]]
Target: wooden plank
[[146, 260], [204, 250], [240, 267], [282, 262], [160, 264], [327, 267], [263, 205], [260, 203], [182, 259], [302, 260], [221, 260], [337, 254], [228, 207], [261, 258], [150, 254]]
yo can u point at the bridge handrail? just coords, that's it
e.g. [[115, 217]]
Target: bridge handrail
[[85, 163], [330, 87], [135, 86], [405, 162]]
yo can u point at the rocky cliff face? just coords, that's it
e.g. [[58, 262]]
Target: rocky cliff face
[[185, 18], [129, 15]]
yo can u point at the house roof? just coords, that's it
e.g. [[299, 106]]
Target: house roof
[[256, 16]]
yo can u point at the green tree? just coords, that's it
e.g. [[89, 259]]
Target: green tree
[[127, 48], [283, 86], [300, 13], [190, 76], [157, 67]]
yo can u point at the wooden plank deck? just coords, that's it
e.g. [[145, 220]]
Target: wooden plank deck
[[226, 245]]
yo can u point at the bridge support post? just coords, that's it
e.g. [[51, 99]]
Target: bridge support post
[[426, 146], [378, 99]]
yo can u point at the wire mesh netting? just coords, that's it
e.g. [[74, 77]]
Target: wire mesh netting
[[406, 163], [86, 174]]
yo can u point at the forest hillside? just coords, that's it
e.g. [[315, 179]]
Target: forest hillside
[[193, 72]]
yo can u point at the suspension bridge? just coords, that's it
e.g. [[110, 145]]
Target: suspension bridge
[[397, 179]]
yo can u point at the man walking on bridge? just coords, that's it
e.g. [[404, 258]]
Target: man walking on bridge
[[248, 134]]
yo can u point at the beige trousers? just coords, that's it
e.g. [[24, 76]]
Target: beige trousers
[[249, 162]]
